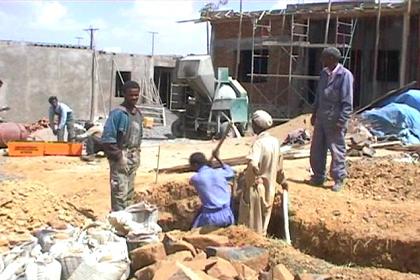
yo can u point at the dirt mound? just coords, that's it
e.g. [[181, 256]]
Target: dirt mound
[[281, 131], [178, 204], [384, 179], [24, 208]]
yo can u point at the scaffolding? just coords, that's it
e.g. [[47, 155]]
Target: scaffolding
[[295, 48]]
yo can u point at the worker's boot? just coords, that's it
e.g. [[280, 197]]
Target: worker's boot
[[315, 182], [339, 185], [88, 158]]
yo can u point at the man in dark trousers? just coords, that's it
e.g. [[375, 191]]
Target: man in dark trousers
[[65, 119], [332, 110], [121, 138]]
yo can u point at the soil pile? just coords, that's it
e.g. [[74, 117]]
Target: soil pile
[[384, 179], [281, 131], [24, 208]]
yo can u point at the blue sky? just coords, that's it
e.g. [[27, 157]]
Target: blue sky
[[124, 25]]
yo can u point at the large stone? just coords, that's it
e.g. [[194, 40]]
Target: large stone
[[202, 241], [255, 258], [245, 272], [178, 271], [147, 255], [280, 272], [180, 256], [200, 264], [173, 245], [222, 269]]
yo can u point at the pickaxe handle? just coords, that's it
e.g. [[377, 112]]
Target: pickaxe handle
[[225, 134]]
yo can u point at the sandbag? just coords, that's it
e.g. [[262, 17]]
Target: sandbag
[[43, 268]]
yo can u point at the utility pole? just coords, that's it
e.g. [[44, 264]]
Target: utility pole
[[78, 40], [94, 99], [153, 41], [238, 45], [91, 30]]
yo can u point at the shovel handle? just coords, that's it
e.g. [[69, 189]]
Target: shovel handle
[[225, 134]]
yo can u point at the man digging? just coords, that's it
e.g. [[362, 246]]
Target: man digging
[[121, 138]]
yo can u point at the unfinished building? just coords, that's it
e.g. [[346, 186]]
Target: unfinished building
[[276, 54], [88, 81]]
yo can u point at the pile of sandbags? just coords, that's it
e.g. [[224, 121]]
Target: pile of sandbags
[[94, 252]]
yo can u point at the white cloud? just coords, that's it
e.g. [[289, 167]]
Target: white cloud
[[49, 12]]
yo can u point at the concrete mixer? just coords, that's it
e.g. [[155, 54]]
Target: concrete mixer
[[208, 103]]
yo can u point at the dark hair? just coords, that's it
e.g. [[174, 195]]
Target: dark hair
[[88, 125], [130, 85], [198, 159], [52, 98]]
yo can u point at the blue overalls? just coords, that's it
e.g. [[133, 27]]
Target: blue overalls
[[333, 107]]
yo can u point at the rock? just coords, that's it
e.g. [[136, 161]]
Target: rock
[[180, 256], [280, 272], [200, 264], [202, 241], [57, 224], [308, 276], [200, 256], [173, 245], [147, 255], [178, 271], [4, 242], [245, 272], [222, 269], [255, 258], [146, 273]]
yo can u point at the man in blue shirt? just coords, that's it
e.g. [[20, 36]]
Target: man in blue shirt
[[65, 119], [214, 191], [121, 138], [332, 109]]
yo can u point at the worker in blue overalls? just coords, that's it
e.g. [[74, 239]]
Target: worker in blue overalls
[[332, 109], [121, 138]]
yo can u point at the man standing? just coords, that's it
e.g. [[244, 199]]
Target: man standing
[[264, 171], [214, 191], [65, 119], [92, 136], [332, 109], [123, 132]]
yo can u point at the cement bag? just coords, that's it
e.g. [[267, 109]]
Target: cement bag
[[144, 213], [48, 237], [107, 262], [15, 261], [43, 268], [71, 256]]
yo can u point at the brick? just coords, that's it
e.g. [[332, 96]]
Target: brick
[[280, 272], [200, 264], [202, 241], [180, 256], [147, 255], [222, 269], [256, 258], [173, 245]]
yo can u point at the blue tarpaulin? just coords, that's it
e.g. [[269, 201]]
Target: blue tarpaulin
[[398, 116]]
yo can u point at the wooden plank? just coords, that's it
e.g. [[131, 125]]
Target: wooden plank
[[375, 56], [386, 95]]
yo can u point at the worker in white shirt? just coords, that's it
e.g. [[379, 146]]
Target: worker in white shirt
[[92, 136]]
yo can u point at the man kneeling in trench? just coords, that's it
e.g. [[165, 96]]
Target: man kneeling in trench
[[214, 191], [264, 171]]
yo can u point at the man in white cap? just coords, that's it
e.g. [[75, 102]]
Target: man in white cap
[[264, 171]]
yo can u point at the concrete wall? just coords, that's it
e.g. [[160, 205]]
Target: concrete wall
[[33, 73]]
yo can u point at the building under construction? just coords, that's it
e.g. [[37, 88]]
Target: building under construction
[[276, 54]]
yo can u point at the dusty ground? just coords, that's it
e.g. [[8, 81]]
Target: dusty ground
[[373, 222]]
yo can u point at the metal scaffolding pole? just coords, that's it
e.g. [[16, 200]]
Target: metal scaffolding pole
[[375, 64]]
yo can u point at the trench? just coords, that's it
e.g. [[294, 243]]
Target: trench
[[178, 205]]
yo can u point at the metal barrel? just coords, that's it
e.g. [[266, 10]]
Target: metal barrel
[[11, 132]]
